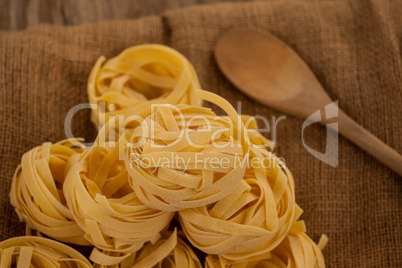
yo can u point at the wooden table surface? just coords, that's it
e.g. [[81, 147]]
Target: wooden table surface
[[21, 14]]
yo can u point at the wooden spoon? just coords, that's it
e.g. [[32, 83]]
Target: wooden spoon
[[269, 71]]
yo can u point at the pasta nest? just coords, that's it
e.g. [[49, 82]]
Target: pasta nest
[[296, 250], [32, 251], [37, 191], [104, 205], [184, 156], [138, 77], [253, 219], [169, 252]]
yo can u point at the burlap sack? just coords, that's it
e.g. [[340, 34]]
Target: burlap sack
[[353, 47]]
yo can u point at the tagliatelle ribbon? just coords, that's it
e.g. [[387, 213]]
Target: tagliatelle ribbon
[[31, 251], [255, 137], [106, 208], [185, 156], [37, 195], [168, 252], [296, 250], [138, 77], [250, 221]]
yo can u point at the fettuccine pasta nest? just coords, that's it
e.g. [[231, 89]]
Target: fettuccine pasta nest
[[250, 221], [136, 78], [169, 252], [104, 205], [31, 251], [297, 249], [37, 195], [186, 156]]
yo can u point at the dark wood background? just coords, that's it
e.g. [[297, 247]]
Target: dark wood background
[[21, 14]]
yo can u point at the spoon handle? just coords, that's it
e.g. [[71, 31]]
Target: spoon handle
[[370, 143]]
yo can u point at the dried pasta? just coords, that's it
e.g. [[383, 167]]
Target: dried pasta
[[31, 251], [158, 151], [170, 155], [105, 206], [296, 250], [140, 76], [169, 252], [37, 195], [253, 219]]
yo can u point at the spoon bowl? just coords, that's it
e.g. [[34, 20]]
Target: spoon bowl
[[269, 71]]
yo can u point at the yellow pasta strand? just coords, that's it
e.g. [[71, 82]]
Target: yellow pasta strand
[[136, 78], [31, 251], [169, 252], [104, 205], [36, 191]]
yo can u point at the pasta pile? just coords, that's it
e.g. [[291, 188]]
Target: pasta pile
[[295, 250], [31, 251], [169, 252], [37, 194], [158, 152], [138, 77], [252, 220], [173, 145], [106, 207]]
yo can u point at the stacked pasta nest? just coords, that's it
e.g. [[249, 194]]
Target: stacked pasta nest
[[159, 155]]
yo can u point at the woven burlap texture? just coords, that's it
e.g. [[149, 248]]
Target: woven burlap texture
[[353, 47]]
